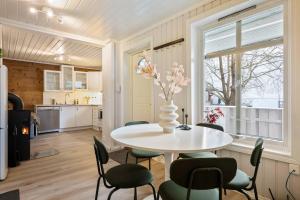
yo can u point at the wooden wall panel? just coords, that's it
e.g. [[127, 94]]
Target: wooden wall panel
[[26, 80]]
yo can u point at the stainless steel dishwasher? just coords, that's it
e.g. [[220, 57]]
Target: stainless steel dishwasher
[[49, 119]]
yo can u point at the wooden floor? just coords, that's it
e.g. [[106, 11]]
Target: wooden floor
[[72, 174]]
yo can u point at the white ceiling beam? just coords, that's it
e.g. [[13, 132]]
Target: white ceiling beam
[[31, 27]]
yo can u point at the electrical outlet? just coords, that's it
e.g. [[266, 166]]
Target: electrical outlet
[[295, 168]]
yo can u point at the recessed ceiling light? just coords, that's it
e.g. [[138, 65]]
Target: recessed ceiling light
[[33, 10], [60, 51]]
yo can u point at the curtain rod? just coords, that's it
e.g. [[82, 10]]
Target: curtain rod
[[237, 13], [169, 44]]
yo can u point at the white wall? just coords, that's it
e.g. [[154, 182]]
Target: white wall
[[272, 173]]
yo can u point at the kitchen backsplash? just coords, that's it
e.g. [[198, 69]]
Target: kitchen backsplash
[[95, 98]]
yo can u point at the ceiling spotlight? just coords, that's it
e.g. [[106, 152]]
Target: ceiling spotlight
[[50, 13], [60, 20], [33, 10]]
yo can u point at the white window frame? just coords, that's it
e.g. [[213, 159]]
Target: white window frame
[[272, 146]]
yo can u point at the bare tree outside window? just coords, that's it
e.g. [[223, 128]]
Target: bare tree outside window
[[261, 68]]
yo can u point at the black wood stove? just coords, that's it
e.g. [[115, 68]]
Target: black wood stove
[[19, 122]]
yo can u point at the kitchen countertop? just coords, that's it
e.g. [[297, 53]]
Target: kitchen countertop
[[62, 105]]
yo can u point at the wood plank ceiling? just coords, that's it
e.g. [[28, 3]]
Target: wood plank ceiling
[[33, 46], [98, 20]]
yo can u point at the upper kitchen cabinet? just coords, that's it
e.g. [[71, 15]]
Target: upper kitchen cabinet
[[52, 80], [67, 77], [95, 81], [81, 80]]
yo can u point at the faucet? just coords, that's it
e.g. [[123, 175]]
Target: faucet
[[67, 94]]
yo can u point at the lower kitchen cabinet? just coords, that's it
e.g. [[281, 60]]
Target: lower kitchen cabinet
[[84, 116], [76, 116], [67, 116]]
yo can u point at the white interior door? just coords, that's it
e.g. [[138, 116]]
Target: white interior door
[[141, 93]]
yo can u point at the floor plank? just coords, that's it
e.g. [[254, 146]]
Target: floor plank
[[72, 174]]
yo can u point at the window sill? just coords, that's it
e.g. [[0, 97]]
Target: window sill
[[282, 156]]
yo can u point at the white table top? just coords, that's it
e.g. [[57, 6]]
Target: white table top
[[150, 137]]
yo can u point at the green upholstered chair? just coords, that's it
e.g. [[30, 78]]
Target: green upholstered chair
[[137, 153], [242, 182], [203, 154], [197, 179], [122, 176]]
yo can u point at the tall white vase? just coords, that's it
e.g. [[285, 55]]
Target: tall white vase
[[168, 117]]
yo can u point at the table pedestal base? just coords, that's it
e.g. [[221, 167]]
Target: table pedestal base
[[169, 157]]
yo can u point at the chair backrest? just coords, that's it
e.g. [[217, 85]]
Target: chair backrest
[[101, 152], [256, 152], [214, 126], [256, 157], [136, 123], [203, 173]]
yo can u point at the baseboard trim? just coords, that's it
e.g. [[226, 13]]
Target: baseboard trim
[[75, 128]]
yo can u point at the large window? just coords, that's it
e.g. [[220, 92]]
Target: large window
[[244, 74]]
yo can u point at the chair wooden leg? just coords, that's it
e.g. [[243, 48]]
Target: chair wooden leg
[[126, 161], [225, 192], [97, 189], [136, 160], [135, 194], [255, 192], [110, 194], [153, 190], [150, 164]]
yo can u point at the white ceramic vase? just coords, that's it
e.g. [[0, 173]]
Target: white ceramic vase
[[168, 117]]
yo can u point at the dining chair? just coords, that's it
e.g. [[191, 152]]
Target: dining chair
[[197, 179], [123, 176], [137, 153], [242, 182], [203, 154]]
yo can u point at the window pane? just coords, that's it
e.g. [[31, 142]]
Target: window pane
[[262, 92], [220, 38], [220, 92], [263, 26]]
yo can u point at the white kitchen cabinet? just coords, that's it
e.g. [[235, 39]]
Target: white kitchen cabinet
[[67, 77], [95, 81], [68, 116], [76, 116], [81, 80], [52, 80], [84, 116]]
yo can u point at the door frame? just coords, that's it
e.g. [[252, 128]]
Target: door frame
[[126, 53]]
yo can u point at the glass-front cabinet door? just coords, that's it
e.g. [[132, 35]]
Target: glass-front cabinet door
[[81, 81], [67, 77], [52, 80]]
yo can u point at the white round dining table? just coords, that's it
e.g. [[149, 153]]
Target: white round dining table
[[151, 137]]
